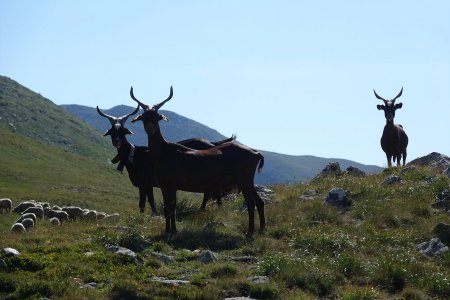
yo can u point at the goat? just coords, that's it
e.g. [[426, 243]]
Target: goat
[[137, 162], [394, 139], [177, 167]]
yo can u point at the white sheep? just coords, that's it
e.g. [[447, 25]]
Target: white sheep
[[73, 211], [27, 215], [28, 223], [44, 204], [56, 207], [55, 221], [24, 205], [5, 204], [37, 210], [61, 215], [90, 215], [18, 228]]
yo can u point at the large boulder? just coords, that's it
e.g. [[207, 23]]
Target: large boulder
[[338, 197], [434, 160], [432, 248]]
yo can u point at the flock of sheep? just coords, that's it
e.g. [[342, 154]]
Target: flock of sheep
[[30, 211]]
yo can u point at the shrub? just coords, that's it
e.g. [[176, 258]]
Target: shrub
[[272, 264], [349, 266], [260, 291], [225, 270]]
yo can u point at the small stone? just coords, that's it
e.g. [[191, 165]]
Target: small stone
[[172, 282], [207, 256], [338, 197], [392, 180], [259, 279], [432, 248], [121, 250], [355, 172], [167, 259], [89, 253]]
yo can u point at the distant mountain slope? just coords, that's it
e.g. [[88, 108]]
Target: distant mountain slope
[[179, 128], [278, 168], [28, 113]]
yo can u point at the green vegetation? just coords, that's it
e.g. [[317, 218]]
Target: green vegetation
[[308, 251]]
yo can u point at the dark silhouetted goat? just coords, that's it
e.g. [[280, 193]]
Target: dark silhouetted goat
[[221, 168], [138, 164], [394, 139]]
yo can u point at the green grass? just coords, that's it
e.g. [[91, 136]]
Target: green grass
[[309, 250]]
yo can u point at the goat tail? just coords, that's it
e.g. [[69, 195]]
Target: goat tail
[[261, 162]]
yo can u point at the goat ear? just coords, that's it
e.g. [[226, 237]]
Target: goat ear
[[108, 132], [398, 105], [380, 107], [164, 118], [127, 131]]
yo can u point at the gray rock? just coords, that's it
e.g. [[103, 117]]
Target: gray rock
[[392, 180], [308, 195], [434, 159], [167, 259], [122, 251], [338, 197], [447, 172], [259, 279], [332, 169], [90, 285], [432, 248], [89, 253], [10, 252], [442, 201], [355, 172], [171, 282], [207, 256]]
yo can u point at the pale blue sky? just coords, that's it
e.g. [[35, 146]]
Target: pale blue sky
[[294, 77]]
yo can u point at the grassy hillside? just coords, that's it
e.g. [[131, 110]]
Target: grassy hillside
[[309, 250], [33, 170], [28, 113], [279, 168]]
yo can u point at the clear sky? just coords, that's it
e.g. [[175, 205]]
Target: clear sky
[[294, 77]]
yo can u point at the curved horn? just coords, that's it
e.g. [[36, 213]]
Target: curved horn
[[111, 119], [376, 95], [143, 105], [158, 106], [399, 94], [123, 119]]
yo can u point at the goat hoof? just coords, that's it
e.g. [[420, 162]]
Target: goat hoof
[[141, 210]]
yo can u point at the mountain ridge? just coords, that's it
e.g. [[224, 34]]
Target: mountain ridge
[[279, 168]]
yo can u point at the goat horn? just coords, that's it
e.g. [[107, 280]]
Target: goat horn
[[399, 94], [123, 119], [111, 119], [158, 106], [143, 105], [376, 95]]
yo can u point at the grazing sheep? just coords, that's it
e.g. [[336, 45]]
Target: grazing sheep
[[61, 215], [28, 223], [44, 204], [37, 210], [18, 228], [24, 205], [90, 215], [5, 204], [73, 212], [101, 215], [56, 207], [27, 215], [55, 221], [111, 218]]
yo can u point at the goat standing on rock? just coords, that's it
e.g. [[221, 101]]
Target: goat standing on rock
[[394, 139], [220, 168]]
